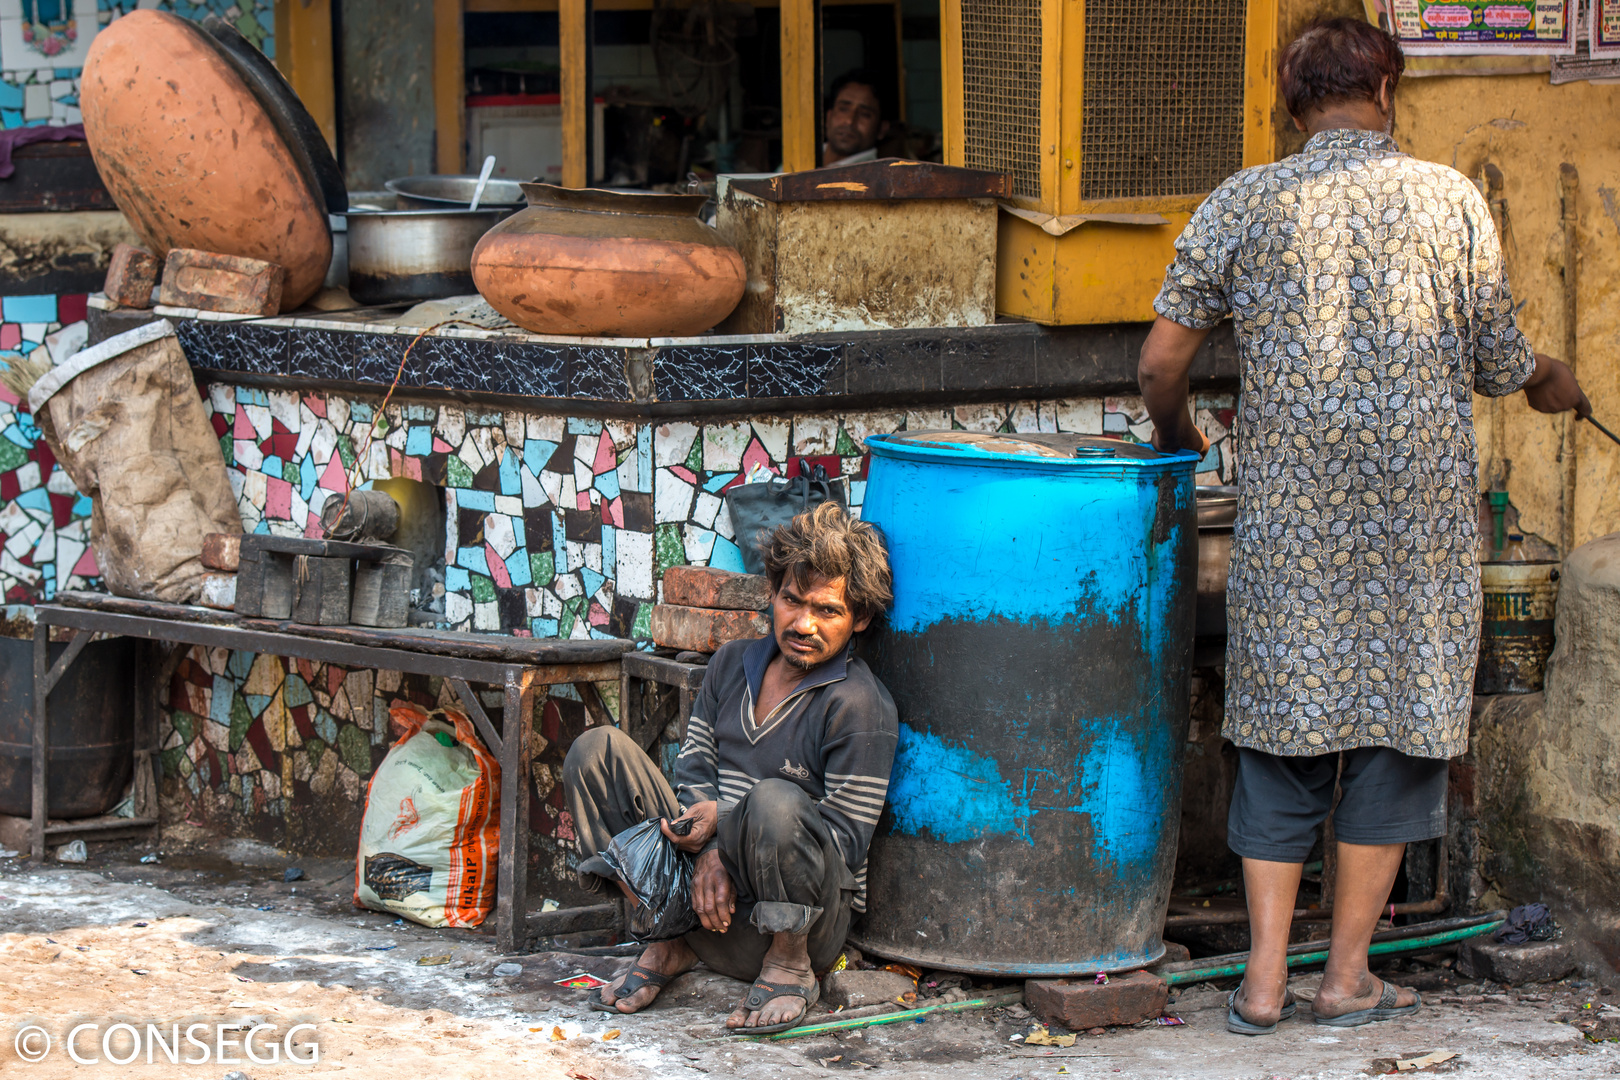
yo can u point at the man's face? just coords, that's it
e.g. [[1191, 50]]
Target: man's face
[[855, 121], [812, 621]]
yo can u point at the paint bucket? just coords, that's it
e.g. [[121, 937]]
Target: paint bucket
[[1516, 634], [1039, 653]]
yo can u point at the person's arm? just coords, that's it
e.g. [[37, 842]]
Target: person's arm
[[1552, 388], [697, 772], [1167, 356], [856, 760]]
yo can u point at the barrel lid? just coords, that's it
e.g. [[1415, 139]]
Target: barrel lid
[[1019, 444]]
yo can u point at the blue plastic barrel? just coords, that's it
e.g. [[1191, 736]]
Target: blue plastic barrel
[[1039, 651]]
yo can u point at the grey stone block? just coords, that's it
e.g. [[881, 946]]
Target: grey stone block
[[852, 989], [1534, 961]]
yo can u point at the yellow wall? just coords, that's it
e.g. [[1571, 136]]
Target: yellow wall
[[1528, 128]]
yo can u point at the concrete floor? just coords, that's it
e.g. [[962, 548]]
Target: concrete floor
[[226, 940]]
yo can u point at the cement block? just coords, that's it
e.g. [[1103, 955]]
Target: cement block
[[1531, 962], [851, 989], [707, 587], [1081, 1004], [131, 276], [704, 629], [222, 551], [210, 281]]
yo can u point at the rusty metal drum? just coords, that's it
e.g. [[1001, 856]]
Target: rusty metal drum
[[1516, 633], [1039, 653]]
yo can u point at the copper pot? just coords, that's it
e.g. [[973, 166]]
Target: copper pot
[[608, 264]]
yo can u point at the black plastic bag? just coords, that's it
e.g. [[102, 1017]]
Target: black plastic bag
[[660, 874]]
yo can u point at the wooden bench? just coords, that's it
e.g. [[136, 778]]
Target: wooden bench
[[519, 665]]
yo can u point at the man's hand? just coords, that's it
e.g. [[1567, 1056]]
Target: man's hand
[[1553, 389], [1167, 357], [714, 898], [705, 818]]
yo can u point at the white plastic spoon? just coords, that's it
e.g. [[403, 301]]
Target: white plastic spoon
[[483, 178]]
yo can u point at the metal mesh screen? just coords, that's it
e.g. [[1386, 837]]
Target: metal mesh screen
[[1001, 89], [1163, 109]]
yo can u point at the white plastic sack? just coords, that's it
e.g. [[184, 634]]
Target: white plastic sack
[[430, 838]]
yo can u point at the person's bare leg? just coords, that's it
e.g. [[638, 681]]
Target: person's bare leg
[[663, 957], [1366, 873], [1271, 889], [786, 961]]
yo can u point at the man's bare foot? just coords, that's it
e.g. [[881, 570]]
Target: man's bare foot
[[669, 958], [1337, 999], [787, 961]]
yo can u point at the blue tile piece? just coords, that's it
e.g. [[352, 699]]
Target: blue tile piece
[[517, 568], [726, 556], [256, 703], [83, 506], [520, 532], [473, 559], [219, 704], [474, 499], [11, 118], [511, 483], [15, 434], [271, 466], [559, 540], [582, 426], [262, 528], [239, 665], [719, 480], [608, 484], [325, 726], [425, 413], [50, 580], [296, 691], [591, 580], [248, 395], [36, 309], [610, 550], [536, 452], [307, 475], [359, 412], [543, 628], [35, 499], [644, 458], [419, 443], [11, 96], [456, 579]]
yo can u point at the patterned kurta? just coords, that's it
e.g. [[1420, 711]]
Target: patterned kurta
[[1369, 299]]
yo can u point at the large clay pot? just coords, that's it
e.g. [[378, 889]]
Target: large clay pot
[[608, 264], [192, 158]]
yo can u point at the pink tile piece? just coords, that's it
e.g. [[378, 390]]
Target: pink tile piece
[[442, 447], [413, 468], [87, 566], [396, 462], [244, 426], [333, 477], [10, 335], [583, 498], [615, 513], [9, 398], [599, 615], [313, 530], [497, 568], [278, 499], [316, 405], [756, 455], [684, 473], [606, 459]]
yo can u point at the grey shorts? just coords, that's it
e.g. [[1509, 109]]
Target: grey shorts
[[1278, 803]]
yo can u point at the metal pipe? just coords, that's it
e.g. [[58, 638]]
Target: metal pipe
[[1569, 183], [1399, 933], [1198, 975]]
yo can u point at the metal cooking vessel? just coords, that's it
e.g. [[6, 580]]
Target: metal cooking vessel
[[397, 255], [1217, 510], [441, 192]]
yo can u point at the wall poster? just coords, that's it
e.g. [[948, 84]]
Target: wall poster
[[1606, 29], [1473, 27]]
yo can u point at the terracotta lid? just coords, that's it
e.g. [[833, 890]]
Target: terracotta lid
[[192, 157]]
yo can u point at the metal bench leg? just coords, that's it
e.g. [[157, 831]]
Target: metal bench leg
[[512, 899]]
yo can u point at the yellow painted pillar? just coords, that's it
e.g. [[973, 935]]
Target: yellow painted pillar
[[950, 77], [304, 56], [576, 93], [449, 86], [798, 84]]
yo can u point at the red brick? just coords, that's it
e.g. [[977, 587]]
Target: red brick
[[704, 629], [213, 282], [222, 551], [131, 275], [707, 587], [1082, 1003]]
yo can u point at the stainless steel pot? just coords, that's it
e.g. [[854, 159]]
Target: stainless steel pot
[[1217, 511], [397, 255], [440, 192]]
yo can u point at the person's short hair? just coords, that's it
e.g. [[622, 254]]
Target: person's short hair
[[827, 542], [862, 77], [1338, 60]]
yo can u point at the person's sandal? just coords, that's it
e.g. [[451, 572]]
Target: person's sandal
[[1236, 1024], [638, 979], [1384, 1010], [762, 992]]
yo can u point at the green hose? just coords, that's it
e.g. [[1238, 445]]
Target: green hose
[[1198, 975], [989, 1001]]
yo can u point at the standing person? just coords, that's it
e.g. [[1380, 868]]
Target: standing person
[[1369, 301], [783, 773]]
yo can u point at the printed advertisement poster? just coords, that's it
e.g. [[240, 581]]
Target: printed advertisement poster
[[1606, 29], [1472, 27]]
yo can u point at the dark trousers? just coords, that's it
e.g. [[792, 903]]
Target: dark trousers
[[787, 871]]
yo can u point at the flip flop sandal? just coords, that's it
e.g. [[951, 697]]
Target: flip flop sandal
[[638, 979], [1236, 1024], [1384, 1010], [762, 992]]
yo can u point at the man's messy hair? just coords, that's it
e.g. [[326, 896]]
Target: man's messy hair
[[826, 542]]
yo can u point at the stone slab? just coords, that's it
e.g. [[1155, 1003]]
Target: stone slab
[[1531, 962], [852, 989], [708, 587], [1081, 1004]]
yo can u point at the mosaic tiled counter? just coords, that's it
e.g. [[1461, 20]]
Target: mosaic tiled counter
[[573, 474]]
